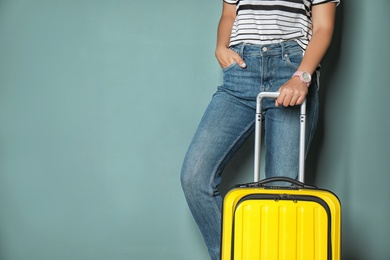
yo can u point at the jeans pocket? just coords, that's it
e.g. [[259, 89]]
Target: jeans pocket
[[293, 59], [231, 66], [235, 48]]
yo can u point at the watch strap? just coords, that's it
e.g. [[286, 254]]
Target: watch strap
[[301, 75]]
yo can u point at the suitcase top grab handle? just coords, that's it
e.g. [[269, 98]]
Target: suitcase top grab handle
[[263, 183], [259, 118]]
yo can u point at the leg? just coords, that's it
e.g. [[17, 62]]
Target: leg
[[282, 123], [226, 124], [224, 127]]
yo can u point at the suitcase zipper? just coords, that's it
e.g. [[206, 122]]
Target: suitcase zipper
[[295, 199]]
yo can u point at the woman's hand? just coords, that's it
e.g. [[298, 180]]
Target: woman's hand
[[227, 57], [292, 93]]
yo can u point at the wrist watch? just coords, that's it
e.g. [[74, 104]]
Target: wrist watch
[[304, 76]]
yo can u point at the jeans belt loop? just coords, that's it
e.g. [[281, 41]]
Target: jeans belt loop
[[242, 47], [282, 44]]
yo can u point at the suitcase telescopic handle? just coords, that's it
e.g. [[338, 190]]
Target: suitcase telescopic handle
[[259, 118]]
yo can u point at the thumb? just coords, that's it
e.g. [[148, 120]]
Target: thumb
[[242, 64], [240, 61]]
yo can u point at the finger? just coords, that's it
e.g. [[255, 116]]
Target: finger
[[280, 100], [300, 100], [241, 63], [294, 100], [284, 97], [287, 101]]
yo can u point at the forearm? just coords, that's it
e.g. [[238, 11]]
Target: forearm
[[225, 25], [224, 55], [224, 31], [323, 26], [316, 50]]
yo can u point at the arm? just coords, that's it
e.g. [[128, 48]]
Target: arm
[[294, 91], [224, 55]]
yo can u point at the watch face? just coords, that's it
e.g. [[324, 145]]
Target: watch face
[[306, 77]]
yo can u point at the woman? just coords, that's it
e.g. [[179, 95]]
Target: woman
[[261, 46]]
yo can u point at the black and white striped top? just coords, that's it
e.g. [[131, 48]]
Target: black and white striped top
[[273, 21]]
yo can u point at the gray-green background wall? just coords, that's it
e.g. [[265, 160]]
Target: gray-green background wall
[[98, 103]]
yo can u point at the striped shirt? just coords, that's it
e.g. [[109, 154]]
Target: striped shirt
[[273, 21]]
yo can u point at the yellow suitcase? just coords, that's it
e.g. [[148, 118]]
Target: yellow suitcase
[[298, 222]]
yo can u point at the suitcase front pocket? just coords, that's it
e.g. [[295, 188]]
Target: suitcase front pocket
[[281, 227]]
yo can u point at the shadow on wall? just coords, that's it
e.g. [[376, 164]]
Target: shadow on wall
[[329, 65]]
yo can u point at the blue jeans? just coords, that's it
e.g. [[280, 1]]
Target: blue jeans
[[229, 120]]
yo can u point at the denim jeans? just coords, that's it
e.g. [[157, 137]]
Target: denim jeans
[[229, 120]]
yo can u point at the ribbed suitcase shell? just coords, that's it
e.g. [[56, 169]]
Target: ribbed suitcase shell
[[260, 222], [281, 224]]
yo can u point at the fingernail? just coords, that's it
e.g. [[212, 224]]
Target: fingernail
[[243, 64]]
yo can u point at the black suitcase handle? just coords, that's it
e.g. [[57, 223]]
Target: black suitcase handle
[[276, 179], [284, 179]]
